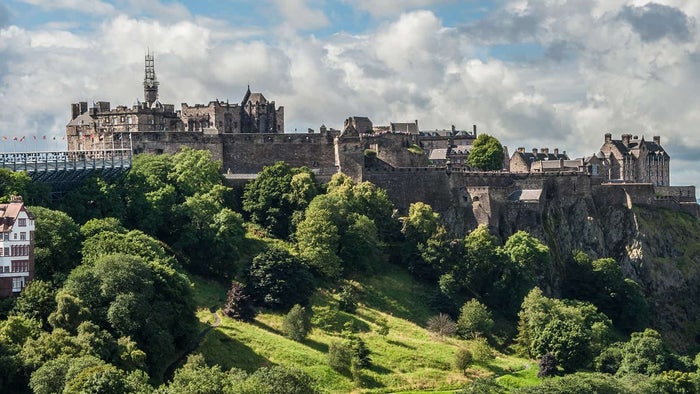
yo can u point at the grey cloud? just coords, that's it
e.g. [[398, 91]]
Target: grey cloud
[[504, 26], [655, 21], [561, 50]]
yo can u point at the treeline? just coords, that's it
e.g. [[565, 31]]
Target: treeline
[[113, 305]]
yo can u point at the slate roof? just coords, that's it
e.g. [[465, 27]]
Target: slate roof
[[525, 195]]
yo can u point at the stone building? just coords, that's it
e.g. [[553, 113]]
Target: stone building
[[16, 247], [543, 160], [101, 127], [635, 160]]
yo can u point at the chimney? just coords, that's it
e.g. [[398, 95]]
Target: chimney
[[74, 110], [556, 151], [453, 129], [657, 140], [521, 149], [626, 139], [534, 151], [544, 150], [475, 131], [608, 137]]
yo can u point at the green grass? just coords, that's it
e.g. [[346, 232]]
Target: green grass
[[409, 359]]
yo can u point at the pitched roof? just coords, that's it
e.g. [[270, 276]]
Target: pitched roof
[[9, 213]]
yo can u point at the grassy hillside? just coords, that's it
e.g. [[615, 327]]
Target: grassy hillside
[[408, 358]]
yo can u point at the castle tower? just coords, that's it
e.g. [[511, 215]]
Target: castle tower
[[150, 84]]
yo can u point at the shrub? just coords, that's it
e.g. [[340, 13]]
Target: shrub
[[360, 353], [278, 279], [463, 358], [481, 350], [339, 356], [442, 325], [348, 299], [548, 366], [474, 320], [383, 328], [297, 323]]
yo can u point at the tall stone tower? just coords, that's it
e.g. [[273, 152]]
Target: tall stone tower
[[150, 84]]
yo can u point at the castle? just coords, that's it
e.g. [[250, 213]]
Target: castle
[[100, 126], [412, 164]]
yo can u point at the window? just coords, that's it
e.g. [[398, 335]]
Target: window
[[22, 222], [7, 237], [17, 284], [15, 235], [23, 236], [7, 250]]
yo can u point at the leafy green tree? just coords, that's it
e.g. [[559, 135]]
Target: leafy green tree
[[37, 300], [474, 320], [205, 221], [134, 242], [48, 346], [278, 192], [56, 244], [486, 154], [566, 340], [148, 193], [531, 257], [148, 301], [18, 183], [297, 323], [194, 171], [318, 241], [645, 353], [95, 226], [420, 224], [360, 249], [278, 279], [50, 378], [70, 312], [195, 377]]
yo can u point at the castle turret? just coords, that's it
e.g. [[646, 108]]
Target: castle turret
[[150, 84]]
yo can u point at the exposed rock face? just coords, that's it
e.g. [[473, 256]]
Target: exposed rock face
[[656, 247]]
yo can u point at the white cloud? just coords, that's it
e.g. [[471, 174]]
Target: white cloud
[[299, 15]]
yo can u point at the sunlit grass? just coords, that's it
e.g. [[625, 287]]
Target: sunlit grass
[[408, 359]]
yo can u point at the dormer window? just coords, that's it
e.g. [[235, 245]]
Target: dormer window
[[22, 222]]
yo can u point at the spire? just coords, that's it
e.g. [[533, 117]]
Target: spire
[[246, 97], [150, 83]]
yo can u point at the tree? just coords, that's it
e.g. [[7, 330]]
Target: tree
[[318, 241], [567, 341], [548, 366], [95, 198], [297, 323], [37, 300], [645, 353], [474, 320], [70, 312], [134, 242], [56, 243], [486, 154], [279, 379], [277, 279], [95, 226], [239, 306], [339, 356], [278, 192], [195, 377], [531, 258]]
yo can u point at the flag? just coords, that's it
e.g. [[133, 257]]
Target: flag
[[14, 138], [34, 137], [4, 138], [54, 138], [21, 139], [43, 138]]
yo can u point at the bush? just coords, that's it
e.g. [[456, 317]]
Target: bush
[[278, 279], [339, 356], [481, 351], [474, 320], [548, 366], [383, 328], [348, 299], [609, 359], [442, 325], [463, 358], [360, 353], [297, 323]]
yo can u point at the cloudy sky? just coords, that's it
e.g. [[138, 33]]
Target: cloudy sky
[[533, 73]]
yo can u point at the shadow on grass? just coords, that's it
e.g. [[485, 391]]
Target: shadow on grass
[[378, 369], [221, 349], [265, 327], [321, 347], [400, 344], [369, 382]]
